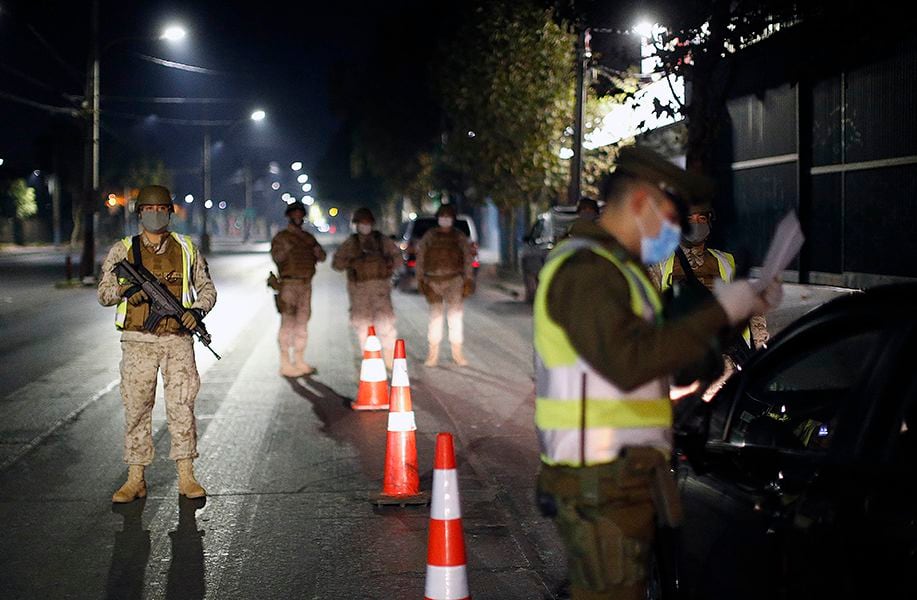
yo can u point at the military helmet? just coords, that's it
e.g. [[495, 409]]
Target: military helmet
[[363, 214], [701, 207], [446, 210], [295, 206], [153, 195]]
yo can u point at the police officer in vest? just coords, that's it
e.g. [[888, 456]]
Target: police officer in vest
[[604, 355], [707, 264], [296, 253], [168, 348], [370, 258], [445, 276]]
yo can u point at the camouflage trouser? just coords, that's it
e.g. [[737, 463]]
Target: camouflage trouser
[[450, 292], [606, 519], [295, 310], [140, 363], [371, 304]]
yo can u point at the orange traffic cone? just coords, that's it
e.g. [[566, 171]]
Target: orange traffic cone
[[446, 578], [401, 482], [373, 391]]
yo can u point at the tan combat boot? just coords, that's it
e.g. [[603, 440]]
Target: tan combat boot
[[187, 484], [432, 356], [388, 355], [300, 364], [133, 488], [287, 369], [457, 356]]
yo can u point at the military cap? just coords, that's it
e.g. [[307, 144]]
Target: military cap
[[153, 195], [363, 214], [683, 187], [295, 206]]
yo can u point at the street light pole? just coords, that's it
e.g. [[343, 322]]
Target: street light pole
[[205, 237], [247, 221], [576, 161], [91, 178]]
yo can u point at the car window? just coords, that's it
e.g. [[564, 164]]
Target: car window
[[796, 406]]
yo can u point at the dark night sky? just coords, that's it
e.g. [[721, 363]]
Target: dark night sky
[[268, 54]]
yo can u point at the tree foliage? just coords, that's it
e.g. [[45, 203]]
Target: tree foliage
[[23, 199], [506, 86], [148, 171], [700, 43]]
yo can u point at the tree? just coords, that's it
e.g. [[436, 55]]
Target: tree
[[23, 199], [506, 85], [700, 44]]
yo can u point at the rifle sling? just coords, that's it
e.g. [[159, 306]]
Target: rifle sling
[[686, 267], [135, 248]]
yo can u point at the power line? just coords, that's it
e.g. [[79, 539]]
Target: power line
[[172, 100], [73, 112], [182, 66]]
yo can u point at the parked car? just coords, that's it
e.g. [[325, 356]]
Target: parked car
[[798, 478], [414, 229], [548, 228]]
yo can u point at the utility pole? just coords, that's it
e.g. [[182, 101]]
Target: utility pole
[[91, 177], [249, 213], [576, 161], [205, 236]]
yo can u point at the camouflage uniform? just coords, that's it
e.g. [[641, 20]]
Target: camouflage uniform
[[370, 261], [295, 252], [444, 265], [168, 349]]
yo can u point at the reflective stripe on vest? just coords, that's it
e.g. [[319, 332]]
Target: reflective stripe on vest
[[187, 263], [727, 267], [565, 382]]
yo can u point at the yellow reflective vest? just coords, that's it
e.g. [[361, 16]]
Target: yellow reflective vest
[[582, 418], [727, 268], [187, 264]]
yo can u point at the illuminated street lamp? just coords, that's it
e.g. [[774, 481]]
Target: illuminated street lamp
[[301, 179], [258, 115], [297, 166], [173, 33]]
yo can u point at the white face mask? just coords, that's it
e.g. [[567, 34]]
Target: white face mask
[[445, 221], [364, 228]]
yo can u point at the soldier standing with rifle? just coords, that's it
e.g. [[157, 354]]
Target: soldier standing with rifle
[[161, 343], [296, 253]]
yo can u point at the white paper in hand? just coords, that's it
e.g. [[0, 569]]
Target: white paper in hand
[[785, 245]]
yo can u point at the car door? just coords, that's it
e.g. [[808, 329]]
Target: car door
[[776, 430]]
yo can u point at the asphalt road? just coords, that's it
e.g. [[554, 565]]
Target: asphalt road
[[288, 466]]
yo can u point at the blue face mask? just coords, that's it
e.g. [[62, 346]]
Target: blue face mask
[[656, 249]]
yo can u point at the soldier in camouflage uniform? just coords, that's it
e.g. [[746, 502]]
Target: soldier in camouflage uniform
[[444, 275], [296, 253], [168, 348], [370, 258]]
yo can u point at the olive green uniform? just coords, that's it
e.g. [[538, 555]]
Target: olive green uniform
[[444, 267], [168, 349], [369, 261], [606, 512], [295, 252]]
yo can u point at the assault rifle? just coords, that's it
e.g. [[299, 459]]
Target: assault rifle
[[162, 303]]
